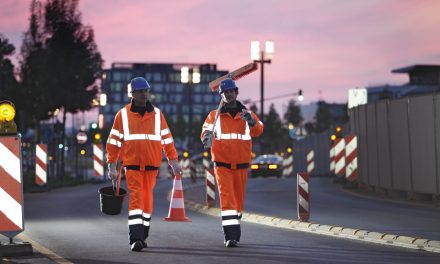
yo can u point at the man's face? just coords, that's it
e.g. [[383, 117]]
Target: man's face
[[141, 96], [229, 96]]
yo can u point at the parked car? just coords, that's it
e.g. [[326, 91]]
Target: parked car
[[266, 165]]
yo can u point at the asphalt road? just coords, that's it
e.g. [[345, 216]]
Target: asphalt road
[[68, 222]]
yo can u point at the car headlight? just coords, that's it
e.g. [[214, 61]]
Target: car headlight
[[273, 166], [254, 166]]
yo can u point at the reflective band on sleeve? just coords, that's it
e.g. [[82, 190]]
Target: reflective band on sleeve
[[116, 133], [167, 141], [164, 132], [114, 142], [125, 122]]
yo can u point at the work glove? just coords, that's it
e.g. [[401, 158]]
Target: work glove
[[246, 116], [175, 166], [207, 139], [112, 172]]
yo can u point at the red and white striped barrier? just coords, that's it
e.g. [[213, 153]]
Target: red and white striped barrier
[[41, 164], [11, 186], [351, 157], [288, 166], [332, 157], [210, 183], [303, 196], [310, 161], [340, 157], [186, 169], [98, 160]]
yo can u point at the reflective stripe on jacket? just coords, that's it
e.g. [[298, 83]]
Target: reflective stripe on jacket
[[232, 137], [139, 140]]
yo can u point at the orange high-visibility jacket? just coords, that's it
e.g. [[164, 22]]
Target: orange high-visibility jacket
[[138, 140], [232, 137]]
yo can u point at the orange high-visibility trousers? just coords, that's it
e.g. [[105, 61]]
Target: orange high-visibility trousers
[[140, 186], [232, 186]]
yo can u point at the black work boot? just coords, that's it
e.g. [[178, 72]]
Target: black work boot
[[137, 246]]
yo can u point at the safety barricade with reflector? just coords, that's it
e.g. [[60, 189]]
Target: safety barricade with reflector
[[11, 186], [41, 164]]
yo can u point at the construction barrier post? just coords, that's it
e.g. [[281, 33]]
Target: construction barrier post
[[41, 164], [288, 165], [11, 196], [332, 157], [210, 181], [340, 157], [310, 162], [98, 161], [351, 158], [303, 196]]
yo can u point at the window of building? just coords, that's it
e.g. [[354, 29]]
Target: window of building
[[158, 88], [178, 88], [197, 98], [116, 97], [207, 98], [158, 98], [157, 77]]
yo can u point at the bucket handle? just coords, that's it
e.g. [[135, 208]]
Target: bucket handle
[[118, 185]]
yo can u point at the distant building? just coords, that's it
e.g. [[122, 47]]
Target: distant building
[[422, 79], [167, 91]]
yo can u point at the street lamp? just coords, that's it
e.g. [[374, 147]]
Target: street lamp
[[262, 57], [102, 103], [189, 76]]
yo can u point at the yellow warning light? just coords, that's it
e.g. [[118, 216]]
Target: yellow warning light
[[7, 111], [98, 136], [289, 150], [83, 152], [205, 154], [333, 137], [338, 129], [7, 114], [185, 154]]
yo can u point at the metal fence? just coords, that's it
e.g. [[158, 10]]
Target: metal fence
[[399, 143]]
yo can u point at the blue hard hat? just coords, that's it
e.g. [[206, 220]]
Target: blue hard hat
[[139, 83], [227, 84]]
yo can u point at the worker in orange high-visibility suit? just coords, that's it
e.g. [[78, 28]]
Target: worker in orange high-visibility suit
[[138, 135], [231, 147]]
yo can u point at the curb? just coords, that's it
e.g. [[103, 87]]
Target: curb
[[334, 231]]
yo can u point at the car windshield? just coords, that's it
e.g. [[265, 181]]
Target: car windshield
[[267, 159]]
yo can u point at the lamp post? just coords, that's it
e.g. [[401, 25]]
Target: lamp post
[[262, 57], [189, 76]]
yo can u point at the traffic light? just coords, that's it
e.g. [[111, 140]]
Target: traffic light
[[95, 132], [82, 152]]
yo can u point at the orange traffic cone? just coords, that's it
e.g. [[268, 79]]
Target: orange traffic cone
[[177, 204]]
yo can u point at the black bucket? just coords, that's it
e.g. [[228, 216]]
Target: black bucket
[[110, 203]]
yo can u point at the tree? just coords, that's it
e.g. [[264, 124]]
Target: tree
[[8, 84], [275, 136], [69, 60], [323, 117], [36, 98], [293, 114]]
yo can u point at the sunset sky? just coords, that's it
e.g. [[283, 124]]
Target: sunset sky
[[323, 47]]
